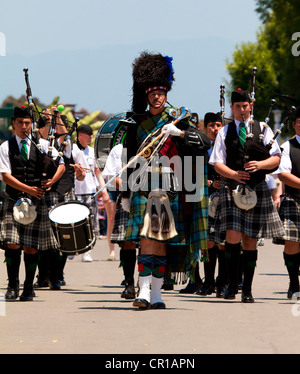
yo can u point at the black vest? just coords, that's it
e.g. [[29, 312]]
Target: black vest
[[235, 152], [66, 182], [27, 172], [295, 160]]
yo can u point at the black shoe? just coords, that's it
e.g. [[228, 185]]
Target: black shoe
[[291, 292], [27, 295], [191, 288], [128, 293], [247, 297], [220, 291], [12, 293], [142, 303], [55, 286], [159, 305], [41, 284], [167, 287], [229, 294], [206, 289]]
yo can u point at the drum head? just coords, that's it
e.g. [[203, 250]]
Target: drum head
[[69, 213], [111, 133]]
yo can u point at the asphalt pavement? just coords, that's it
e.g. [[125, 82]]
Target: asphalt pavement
[[88, 316]]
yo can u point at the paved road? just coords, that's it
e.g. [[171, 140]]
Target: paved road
[[88, 316]]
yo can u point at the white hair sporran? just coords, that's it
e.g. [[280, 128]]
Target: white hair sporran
[[24, 211]]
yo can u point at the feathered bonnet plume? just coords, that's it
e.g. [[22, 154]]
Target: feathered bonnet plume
[[150, 71]]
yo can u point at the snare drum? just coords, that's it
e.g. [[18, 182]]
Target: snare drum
[[111, 133], [73, 226]]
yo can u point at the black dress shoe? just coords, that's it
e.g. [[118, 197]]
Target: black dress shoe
[[230, 294], [27, 295], [206, 289], [54, 286], [220, 292], [12, 293], [291, 292], [142, 303], [159, 305], [247, 297], [191, 288], [167, 286], [41, 284], [128, 293]]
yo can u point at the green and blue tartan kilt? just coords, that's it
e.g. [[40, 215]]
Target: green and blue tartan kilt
[[186, 248]]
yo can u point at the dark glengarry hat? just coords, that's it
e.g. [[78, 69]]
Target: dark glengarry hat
[[85, 129], [21, 112], [297, 112], [240, 95], [212, 117], [150, 71]]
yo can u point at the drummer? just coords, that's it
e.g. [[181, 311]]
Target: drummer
[[87, 188], [22, 174], [52, 262]]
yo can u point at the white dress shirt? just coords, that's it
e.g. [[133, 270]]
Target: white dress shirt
[[285, 165]]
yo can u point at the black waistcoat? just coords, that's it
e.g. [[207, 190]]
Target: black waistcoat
[[66, 182], [295, 160], [27, 172], [235, 152]]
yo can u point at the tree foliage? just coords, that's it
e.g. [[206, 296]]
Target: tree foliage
[[278, 69]]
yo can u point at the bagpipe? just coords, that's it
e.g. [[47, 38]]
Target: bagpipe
[[48, 165], [149, 148], [256, 150]]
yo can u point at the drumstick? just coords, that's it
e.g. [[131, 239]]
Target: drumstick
[[81, 166]]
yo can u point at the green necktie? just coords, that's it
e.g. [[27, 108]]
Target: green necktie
[[24, 150], [242, 134]]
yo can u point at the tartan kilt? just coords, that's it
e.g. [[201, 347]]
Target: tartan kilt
[[213, 235], [262, 221], [120, 223], [289, 213], [38, 234]]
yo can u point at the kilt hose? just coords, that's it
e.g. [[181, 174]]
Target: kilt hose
[[38, 234], [262, 221]]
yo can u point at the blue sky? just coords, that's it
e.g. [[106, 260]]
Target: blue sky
[[83, 50]]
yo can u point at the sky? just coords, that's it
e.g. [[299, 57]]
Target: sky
[[82, 51]]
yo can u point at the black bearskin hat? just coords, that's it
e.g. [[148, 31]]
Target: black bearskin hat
[[150, 71]]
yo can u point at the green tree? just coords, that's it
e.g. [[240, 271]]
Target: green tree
[[278, 69]]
